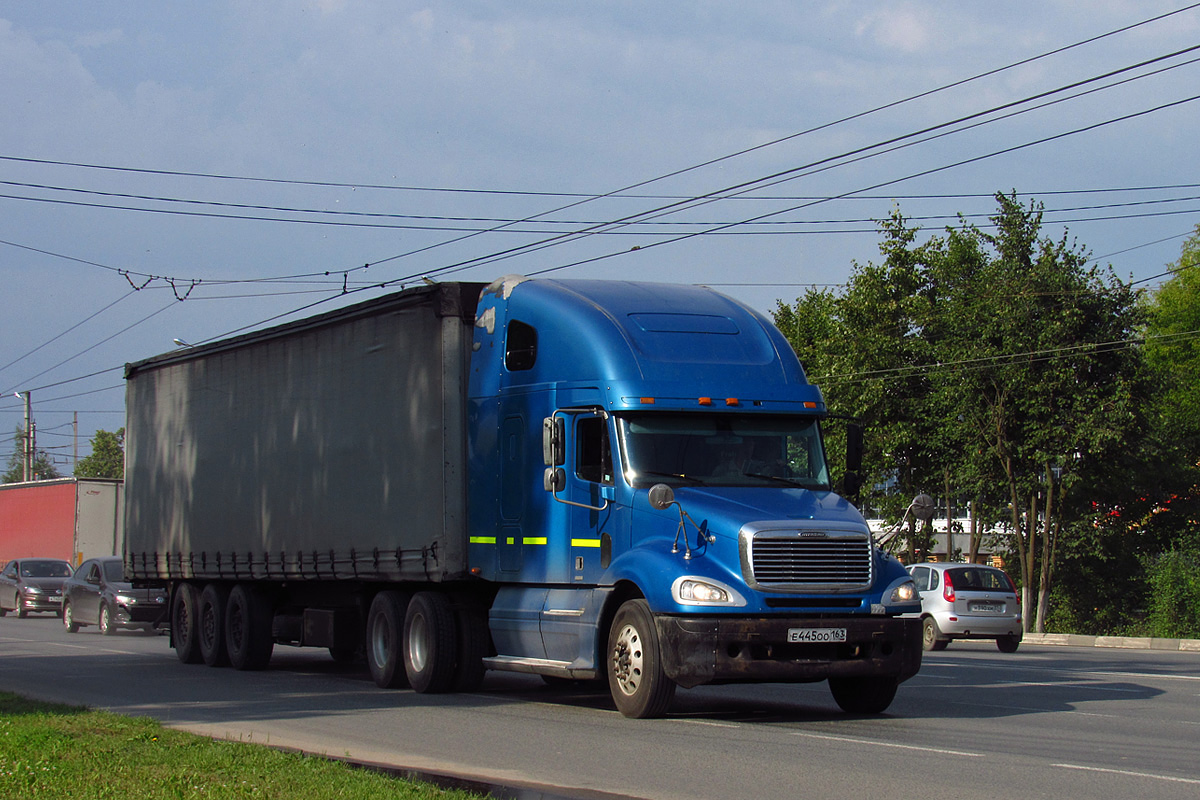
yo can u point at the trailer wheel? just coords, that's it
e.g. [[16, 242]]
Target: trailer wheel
[[185, 623], [430, 643], [636, 680], [212, 625], [473, 645], [385, 636], [248, 629], [863, 695]]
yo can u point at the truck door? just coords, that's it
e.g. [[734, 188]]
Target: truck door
[[570, 616], [590, 488]]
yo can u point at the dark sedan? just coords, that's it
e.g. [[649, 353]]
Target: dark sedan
[[33, 584], [98, 594]]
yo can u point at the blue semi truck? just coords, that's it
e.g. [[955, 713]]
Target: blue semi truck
[[584, 480]]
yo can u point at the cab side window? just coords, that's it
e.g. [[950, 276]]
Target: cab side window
[[593, 456], [520, 346]]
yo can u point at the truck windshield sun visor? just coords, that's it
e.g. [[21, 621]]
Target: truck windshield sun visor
[[721, 449]]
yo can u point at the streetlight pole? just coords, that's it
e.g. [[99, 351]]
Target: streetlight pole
[[29, 435]]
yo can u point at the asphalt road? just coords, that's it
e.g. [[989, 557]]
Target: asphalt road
[[1060, 722]]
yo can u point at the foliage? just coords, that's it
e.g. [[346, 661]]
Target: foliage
[[1173, 347], [1174, 602], [107, 459], [990, 368], [43, 467], [52, 751]]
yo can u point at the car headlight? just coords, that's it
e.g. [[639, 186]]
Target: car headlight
[[904, 594], [693, 591], [125, 600], [34, 590]]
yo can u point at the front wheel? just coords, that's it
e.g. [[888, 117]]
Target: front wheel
[[636, 680], [68, 619], [21, 612], [863, 695], [105, 624]]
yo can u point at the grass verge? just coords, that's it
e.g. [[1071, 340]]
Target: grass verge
[[56, 751]]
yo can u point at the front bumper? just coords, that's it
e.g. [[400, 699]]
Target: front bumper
[[42, 602], [716, 649]]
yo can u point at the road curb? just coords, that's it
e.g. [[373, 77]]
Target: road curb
[[1120, 642]]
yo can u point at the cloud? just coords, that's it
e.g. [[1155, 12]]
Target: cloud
[[902, 29]]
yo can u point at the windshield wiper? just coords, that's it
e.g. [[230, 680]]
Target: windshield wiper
[[778, 479], [688, 478]]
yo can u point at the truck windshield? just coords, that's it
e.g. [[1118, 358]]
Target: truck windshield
[[682, 449]]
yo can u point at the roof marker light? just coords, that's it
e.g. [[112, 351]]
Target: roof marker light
[[704, 401], [731, 401]]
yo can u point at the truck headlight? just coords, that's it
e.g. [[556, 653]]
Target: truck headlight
[[904, 593], [693, 591]]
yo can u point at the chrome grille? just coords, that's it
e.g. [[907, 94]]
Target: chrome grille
[[808, 560]]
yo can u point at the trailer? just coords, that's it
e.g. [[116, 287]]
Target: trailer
[[584, 480], [69, 518]]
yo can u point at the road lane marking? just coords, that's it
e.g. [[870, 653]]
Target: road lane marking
[[1130, 773], [851, 740]]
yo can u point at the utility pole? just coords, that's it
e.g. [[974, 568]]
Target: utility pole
[[30, 441]]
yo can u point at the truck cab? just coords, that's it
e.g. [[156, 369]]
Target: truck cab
[[650, 495]]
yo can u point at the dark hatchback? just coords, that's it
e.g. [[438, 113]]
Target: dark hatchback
[[33, 584], [98, 594]]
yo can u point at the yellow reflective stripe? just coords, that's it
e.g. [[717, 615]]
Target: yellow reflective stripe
[[483, 540], [511, 540], [534, 540], [585, 543]]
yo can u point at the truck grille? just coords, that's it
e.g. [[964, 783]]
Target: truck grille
[[807, 560]]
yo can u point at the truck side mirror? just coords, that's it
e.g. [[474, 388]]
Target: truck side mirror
[[554, 480], [554, 435]]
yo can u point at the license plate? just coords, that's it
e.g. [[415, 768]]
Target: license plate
[[816, 634], [987, 608]]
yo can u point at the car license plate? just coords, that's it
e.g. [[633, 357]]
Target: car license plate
[[987, 608], [816, 634]]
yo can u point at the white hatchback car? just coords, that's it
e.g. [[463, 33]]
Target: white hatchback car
[[967, 601]]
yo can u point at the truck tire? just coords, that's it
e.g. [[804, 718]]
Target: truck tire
[[430, 643], [870, 695], [248, 628], [185, 623], [385, 637], [211, 626], [636, 680], [474, 644]]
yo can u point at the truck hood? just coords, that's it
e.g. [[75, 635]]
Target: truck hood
[[726, 509]]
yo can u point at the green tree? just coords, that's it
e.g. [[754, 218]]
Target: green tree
[[107, 459], [43, 467], [994, 368]]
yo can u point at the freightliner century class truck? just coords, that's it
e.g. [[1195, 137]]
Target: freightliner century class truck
[[584, 480]]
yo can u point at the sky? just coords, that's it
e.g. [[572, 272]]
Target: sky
[[177, 171]]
